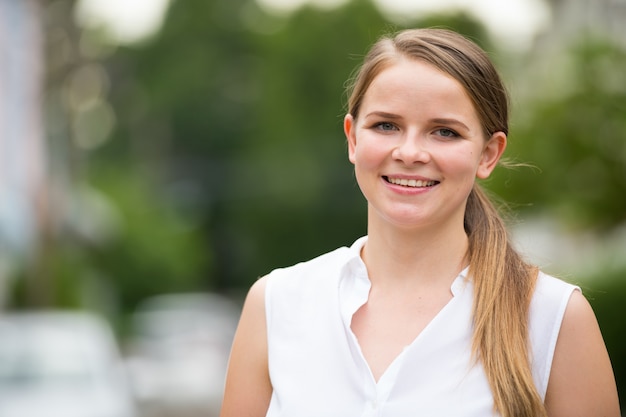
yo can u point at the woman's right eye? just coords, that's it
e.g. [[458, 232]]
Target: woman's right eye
[[385, 126]]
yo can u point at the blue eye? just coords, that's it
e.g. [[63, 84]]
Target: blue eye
[[385, 126], [447, 133]]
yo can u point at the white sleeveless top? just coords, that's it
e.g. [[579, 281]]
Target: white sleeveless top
[[317, 369]]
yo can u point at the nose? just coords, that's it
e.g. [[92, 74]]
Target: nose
[[411, 150]]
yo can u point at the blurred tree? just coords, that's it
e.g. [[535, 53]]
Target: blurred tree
[[577, 141], [184, 101], [111, 237], [240, 113], [153, 247]]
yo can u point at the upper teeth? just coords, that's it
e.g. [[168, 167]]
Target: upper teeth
[[411, 183]]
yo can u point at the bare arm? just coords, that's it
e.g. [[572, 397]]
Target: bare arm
[[248, 388], [581, 380]]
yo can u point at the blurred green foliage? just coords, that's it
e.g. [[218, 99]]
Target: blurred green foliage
[[577, 143], [245, 109], [157, 249], [147, 247]]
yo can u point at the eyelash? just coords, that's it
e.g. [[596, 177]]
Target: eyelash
[[449, 133], [379, 126]]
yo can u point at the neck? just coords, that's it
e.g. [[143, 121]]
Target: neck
[[422, 256]]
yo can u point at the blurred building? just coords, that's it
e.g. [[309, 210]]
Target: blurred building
[[22, 147], [547, 66], [573, 18]]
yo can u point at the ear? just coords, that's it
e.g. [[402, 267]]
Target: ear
[[493, 150], [349, 129]]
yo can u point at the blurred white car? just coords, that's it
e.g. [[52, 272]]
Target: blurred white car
[[61, 364], [179, 353]]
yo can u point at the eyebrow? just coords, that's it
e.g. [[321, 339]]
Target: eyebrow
[[456, 122], [384, 115], [439, 120]]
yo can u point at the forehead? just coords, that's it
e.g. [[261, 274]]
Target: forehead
[[410, 83], [416, 74]]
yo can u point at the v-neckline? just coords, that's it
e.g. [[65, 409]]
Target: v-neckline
[[354, 293], [395, 365]]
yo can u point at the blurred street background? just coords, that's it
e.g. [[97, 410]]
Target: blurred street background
[[158, 156]]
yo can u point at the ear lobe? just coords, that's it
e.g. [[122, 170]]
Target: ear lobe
[[494, 148], [350, 132]]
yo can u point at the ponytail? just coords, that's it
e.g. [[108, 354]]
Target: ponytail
[[503, 284]]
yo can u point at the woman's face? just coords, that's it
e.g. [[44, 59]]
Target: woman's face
[[417, 146]]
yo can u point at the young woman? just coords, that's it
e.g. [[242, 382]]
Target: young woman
[[433, 313]]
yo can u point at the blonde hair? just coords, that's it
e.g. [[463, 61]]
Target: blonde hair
[[503, 281]]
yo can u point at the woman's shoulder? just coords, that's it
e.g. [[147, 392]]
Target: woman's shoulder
[[581, 364], [549, 288], [321, 265], [549, 302], [547, 311], [305, 282]]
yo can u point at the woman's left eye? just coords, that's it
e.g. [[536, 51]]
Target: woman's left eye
[[447, 133]]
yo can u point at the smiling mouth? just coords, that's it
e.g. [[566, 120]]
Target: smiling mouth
[[410, 183]]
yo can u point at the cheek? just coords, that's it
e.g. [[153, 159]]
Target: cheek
[[461, 163], [367, 156]]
